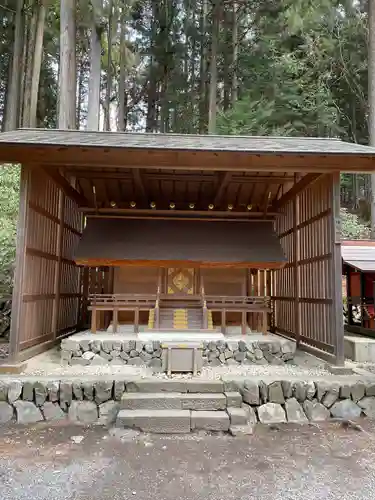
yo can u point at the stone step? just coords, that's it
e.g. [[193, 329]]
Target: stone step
[[210, 420], [153, 385], [158, 421], [173, 401]]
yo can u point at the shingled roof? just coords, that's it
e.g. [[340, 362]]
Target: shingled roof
[[250, 144]]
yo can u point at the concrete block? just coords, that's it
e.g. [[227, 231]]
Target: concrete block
[[234, 399], [203, 401], [238, 416], [359, 349], [157, 421], [210, 420], [152, 401]]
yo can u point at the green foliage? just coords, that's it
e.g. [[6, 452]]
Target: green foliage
[[351, 228], [9, 199]]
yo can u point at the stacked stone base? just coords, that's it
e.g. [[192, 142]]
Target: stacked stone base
[[156, 405], [87, 350]]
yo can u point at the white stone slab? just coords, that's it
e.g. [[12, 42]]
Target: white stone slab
[[360, 349]]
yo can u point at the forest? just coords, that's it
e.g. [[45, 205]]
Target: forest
[[255, 67]]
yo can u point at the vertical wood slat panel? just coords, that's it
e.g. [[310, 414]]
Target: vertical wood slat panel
[[310, 300], [48, 247]]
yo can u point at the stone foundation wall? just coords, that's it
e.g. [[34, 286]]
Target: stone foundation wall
[[99, 401], [136, 352]]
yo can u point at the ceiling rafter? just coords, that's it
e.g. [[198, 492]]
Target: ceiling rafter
[[294, 190], [65, 186], [138, 181], [225, 179]]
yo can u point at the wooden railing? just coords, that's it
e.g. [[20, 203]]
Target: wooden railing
[[120, 302], [240, 304], [145, 302], [238, 300]]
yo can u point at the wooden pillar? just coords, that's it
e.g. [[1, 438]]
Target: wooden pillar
[[136, 320], [22, 232], [243, 323], [296, 278], [336, 269], [115, 319], [265, 323], [362, 298], [224, 321], [93, 320], [59, 248], [349, 295]]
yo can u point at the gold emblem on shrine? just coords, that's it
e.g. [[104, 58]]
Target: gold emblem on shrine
[[180, 280]]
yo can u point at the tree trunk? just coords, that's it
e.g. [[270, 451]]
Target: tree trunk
[[203, 70], [107, 125], [81, 75], [164, 94], [67, 77], [13, 94], [23, 72], [121, 83], [227, 59], [37, 62], [30, 50], [212, 105], [152, 94], [371, 99], [93, 113], [234, 92]]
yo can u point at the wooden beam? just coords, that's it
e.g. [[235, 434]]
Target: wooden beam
[[97, 262], [336, 272], [64, 185], [293, 191], [138, 181], [159, 176], [181, 214], [57, 277], [22, 233], [80, 155], [266, 198], [296, 269]]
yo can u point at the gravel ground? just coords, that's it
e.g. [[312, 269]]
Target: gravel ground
[[48, 363], [74, 463], [4, 350]]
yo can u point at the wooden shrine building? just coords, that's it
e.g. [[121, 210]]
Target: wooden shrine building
[[359, 273], [160, 232]]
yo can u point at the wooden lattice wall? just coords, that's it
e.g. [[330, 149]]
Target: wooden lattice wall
[[46, 294], [307, 291]]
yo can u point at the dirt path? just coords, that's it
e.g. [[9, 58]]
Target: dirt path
[[45, 463]]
